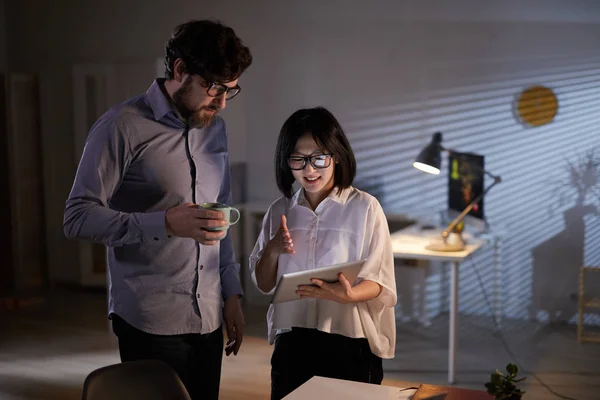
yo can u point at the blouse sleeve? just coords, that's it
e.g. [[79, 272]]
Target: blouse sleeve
[[259, 248], [377, 250]]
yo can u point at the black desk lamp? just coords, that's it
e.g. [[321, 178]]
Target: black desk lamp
[[430, 160]]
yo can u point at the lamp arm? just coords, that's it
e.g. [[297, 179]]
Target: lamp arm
[[469, 207]]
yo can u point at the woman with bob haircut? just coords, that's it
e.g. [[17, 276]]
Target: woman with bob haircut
[[339, 330]]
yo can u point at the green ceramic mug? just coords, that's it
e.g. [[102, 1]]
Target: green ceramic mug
[[227, 212]]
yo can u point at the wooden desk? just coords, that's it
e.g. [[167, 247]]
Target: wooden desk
[[410, 243], [451, 393]]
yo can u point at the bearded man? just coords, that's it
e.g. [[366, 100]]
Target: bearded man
[[147, 165]]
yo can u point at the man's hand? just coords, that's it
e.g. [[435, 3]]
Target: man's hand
[[234, 322], [191, 221]]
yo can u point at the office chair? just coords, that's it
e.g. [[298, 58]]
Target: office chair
[[132, 380]]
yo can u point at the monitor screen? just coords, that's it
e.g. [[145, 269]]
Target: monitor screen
[[465, 182]]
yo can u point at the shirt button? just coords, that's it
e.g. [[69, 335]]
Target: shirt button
[[155, 238], [201, 267], [198, 296], [197, 183]]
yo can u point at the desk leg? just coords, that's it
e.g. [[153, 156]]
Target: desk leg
[[453, 334], [497, 290]]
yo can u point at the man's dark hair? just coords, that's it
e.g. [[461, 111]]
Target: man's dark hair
[[207, 48], [327, 133]]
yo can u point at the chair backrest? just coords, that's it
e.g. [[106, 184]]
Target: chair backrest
[[132, 380]]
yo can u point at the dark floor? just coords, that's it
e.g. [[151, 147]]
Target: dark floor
[[46, 350]]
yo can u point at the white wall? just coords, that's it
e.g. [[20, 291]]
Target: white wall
[[393, 84], [393, 72]]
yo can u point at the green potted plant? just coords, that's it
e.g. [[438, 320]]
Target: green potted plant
[[503, 386]]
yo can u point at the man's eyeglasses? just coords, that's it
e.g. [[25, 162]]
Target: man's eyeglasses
[[320, 161], [215, 89]]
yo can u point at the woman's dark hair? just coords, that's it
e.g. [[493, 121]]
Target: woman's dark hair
[[327, 133], [209, 49]]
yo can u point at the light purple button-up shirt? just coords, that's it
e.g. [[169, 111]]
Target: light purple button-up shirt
[[139, 160]]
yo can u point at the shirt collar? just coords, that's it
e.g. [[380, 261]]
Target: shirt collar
[[300, 199], [158, 99]]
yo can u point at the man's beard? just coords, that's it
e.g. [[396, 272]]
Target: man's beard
[[194, 118]]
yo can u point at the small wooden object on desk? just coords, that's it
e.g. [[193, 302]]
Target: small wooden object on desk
[[434, 392]]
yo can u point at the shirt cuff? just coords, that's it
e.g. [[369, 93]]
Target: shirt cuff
[[230, 281], [387, 296], [154, 225], [253, 277]]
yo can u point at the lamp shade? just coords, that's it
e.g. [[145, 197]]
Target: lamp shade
[[430, 158]]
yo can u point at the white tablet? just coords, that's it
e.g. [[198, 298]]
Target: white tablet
[[288, 283]]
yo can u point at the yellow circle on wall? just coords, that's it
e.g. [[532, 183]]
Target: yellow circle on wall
[[537, 105]]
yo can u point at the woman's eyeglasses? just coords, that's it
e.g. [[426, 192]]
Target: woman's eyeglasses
[[320, 161]]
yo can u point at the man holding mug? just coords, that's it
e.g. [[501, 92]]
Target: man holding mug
[[146, 167]]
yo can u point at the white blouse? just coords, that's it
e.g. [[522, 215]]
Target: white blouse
[[346, 227]]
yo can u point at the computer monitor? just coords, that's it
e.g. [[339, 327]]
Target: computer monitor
[[465, 183]]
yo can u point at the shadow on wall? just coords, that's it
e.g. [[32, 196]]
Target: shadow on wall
[[556, 261], [371, 184]]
